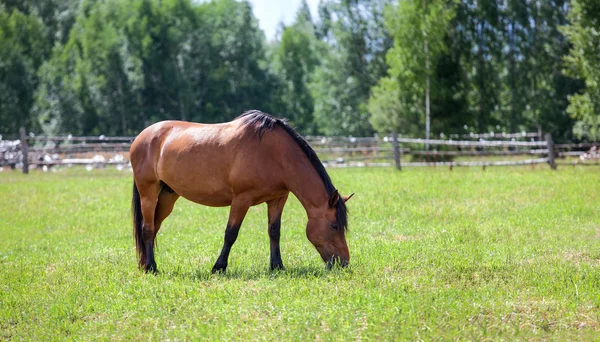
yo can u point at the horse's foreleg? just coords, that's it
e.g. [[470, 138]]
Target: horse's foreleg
[[275, 209], [239, 208]]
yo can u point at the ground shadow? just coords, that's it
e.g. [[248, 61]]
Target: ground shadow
[[302, 272]]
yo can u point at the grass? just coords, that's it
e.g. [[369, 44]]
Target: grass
[[509, 253]]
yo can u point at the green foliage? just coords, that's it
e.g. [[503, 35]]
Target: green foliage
[[449, 90], [535, 91], [481, 41], [505, 254], [85, 86], [386, 108], [583, 62], [512, 56], [114, 67], [58, 16], [413, 24], [239, 79], [359, 41], [295, 58], [22, 51], [140, 61], [500, 71]]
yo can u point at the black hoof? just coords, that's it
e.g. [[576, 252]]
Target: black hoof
[[219, 269], [277, 266], [151, 269]]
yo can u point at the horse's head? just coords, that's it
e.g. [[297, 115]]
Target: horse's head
[[326, 230]]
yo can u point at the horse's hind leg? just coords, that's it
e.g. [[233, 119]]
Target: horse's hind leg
[[275, 209], [164, 207], [148, 197]]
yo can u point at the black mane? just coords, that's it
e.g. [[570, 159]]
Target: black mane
[[262, 122]]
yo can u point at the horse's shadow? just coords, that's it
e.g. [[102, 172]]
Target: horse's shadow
[[302, 272]]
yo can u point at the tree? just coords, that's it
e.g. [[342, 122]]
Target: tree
[[534, 91], [295, 58], [130, 63], [341, 85], [86, 87], [58, 16], [22, 51], [419, 28], [479, 35], [391, 111], [114, 67], [583, 62], [239, 78], [511, 57]]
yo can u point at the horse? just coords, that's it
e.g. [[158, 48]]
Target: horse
[[253, 159]]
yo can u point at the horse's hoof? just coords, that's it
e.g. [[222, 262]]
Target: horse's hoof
[[219, 269], [151, 269], [277, 267]]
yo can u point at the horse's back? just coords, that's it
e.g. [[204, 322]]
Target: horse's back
[[180, 135]]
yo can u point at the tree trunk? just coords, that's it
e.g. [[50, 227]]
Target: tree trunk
[[513, 86], [122, 108], [427, 111], [481, 80], [397, 152], [24, 149]]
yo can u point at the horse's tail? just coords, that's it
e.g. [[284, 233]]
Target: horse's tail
[[136, 213]]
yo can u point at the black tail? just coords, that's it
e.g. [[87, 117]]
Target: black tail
[[136, 213]]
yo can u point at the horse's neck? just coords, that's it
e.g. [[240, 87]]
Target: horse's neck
[[304, 182]]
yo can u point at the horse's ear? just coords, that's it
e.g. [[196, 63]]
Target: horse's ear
[[334, 198], [346, 198]]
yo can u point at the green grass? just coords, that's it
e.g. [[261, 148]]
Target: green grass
[[509, 253]]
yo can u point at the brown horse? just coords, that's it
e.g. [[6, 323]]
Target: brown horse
[[253, 159]]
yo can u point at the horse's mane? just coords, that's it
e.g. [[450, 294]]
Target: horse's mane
[[262, 123]]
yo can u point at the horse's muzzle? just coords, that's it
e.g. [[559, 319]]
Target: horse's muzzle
[[336, 260]]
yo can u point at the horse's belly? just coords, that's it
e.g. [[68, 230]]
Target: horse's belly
[[213, 200], [203, 191]]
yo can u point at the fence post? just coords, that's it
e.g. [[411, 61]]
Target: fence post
[[551, 154], [24, 150], [396, 150]]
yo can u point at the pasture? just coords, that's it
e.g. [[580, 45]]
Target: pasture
[[509, 253]]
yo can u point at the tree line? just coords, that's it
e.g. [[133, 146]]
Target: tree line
[[358, 67]]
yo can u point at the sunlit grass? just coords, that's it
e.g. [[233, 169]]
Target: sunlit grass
[[504, 253]]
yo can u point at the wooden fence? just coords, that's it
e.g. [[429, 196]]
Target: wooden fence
[[506, 149]]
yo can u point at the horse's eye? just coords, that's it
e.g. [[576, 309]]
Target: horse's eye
[[333, 226]]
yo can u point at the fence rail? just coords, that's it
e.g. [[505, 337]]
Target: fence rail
[[99, 151], [481, 143], [501, 135]]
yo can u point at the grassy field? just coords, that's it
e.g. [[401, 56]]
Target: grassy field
[[509, 253]]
